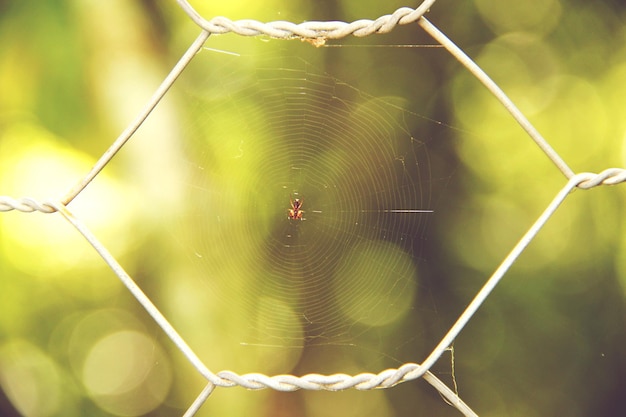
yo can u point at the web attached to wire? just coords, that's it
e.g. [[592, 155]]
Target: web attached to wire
[[269, 131]]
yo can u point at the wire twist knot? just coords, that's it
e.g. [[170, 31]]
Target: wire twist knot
[[610, 176], [25, 204], [308, 30], [317, 382]]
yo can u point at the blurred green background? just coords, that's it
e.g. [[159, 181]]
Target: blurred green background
[[190, 222]]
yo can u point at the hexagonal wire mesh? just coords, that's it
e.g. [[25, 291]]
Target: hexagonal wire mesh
[[318, 33]]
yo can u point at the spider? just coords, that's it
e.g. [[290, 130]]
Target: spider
[[295, 213]]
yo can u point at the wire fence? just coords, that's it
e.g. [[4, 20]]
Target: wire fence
[[318, 33]]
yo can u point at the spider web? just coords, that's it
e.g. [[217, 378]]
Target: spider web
[[266, 129]]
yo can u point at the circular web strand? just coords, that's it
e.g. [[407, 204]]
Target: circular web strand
[[308, 30]]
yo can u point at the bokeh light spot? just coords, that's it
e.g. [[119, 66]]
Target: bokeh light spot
[[375, 284], [127, 365], [537, 16], [30, 378]]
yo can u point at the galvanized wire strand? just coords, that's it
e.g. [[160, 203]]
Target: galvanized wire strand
[[453, 398], [339, 382], [145, 112], [610, 176], [28, 205], [316, 382], [136, 291], [506, 264], [308, 30], [25, 204], [200, 400], [482, 76]]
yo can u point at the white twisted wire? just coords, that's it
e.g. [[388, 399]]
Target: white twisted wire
[[610, 176], [317, 382], [25, 204], [308, 30]]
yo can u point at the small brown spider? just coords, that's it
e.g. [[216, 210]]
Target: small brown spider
[[294, 212]]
